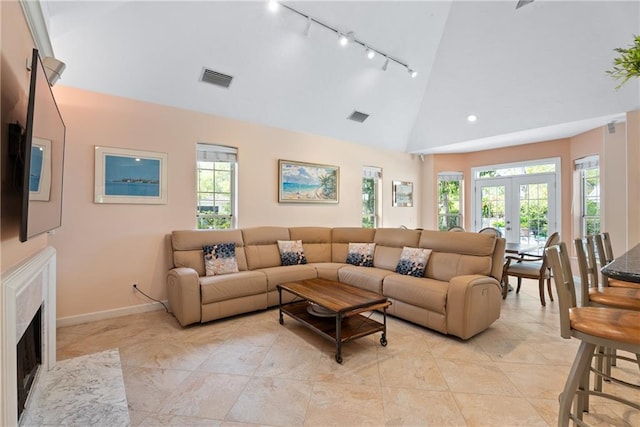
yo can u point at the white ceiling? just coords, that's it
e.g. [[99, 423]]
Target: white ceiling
[[531, 74]]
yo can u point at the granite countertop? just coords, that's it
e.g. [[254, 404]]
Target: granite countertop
[[626, 267]]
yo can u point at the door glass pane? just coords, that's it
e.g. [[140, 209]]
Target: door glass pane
[[534, 213], [493, 207]]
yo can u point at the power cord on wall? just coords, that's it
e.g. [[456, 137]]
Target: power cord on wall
[[135, 287]]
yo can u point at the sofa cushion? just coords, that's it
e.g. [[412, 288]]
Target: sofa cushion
[[426, 293], [389, 244], [220, 259], [187, 247], [229, 286], [342, 236], [316, 242], [289, 273], [261, 247], [361, 254], [367, 278], [291, 252], [413, 261]]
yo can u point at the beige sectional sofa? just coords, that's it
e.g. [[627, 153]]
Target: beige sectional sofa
[[459, 294]]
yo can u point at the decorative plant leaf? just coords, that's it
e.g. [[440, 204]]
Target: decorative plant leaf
[[627, 65]]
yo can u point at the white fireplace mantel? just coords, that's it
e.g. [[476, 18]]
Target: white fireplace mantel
[[25, 288]]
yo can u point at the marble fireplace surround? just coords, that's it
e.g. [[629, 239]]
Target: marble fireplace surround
[[25, 288]]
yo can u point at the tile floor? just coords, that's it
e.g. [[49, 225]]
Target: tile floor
[[250, 370]]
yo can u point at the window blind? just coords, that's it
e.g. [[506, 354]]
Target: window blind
[[216, 153], [587, 162], [450, 176]]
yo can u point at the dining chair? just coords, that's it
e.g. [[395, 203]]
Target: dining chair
[[531, 266], [490, 230], [605, 255], [595, 327], [456, 228]]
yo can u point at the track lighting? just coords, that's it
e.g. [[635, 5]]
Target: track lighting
[[307, 30], [343, 38], [370, 53]]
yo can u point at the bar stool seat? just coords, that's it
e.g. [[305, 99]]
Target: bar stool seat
[[607, 323], [626, 298]]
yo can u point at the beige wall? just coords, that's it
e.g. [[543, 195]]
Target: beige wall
[[103, 248], [633, 167]]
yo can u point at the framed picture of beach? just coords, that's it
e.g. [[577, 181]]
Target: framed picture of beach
[[402, 194], [307, 182], [130, 176]]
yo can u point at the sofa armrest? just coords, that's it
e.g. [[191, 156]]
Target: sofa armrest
[[473, 304], [183, 290]]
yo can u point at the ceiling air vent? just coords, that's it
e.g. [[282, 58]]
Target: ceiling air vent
[[216, 78], [357, 116]]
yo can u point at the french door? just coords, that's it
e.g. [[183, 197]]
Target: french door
[[522, 207]]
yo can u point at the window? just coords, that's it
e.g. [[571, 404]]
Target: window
[[449, 200], [371, 177], [216, 186], [589, 172]]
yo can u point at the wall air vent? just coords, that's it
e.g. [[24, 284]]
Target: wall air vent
[[357, 116], [216, 78]]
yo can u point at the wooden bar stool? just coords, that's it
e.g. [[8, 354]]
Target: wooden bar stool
[[605, 254], [593, 326], [594, 295]]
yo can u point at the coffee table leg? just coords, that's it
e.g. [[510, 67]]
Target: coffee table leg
[[339, 338], [281, 320], [383, 338]]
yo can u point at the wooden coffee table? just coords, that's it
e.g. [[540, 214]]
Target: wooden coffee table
[[334, 309]]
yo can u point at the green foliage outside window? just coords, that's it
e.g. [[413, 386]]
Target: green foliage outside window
[[449, 204], [368, 202], [214, 195]]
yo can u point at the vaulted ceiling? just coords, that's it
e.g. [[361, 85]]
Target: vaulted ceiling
[[529, 74]]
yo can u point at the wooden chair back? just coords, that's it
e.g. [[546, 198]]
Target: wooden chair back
[[565, 287], [490, 230], [588, 267]]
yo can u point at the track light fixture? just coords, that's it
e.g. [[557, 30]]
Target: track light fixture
[[371, 53], [273, 5], [343, 38]]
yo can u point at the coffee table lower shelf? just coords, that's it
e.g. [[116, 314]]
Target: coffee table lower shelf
[[339, 328]]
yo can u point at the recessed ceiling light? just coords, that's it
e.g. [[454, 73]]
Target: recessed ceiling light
[[413, 73], [343, 40], [472, 118], [273, 5]]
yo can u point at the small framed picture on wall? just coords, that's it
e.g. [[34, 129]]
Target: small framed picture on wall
[[402, 194]]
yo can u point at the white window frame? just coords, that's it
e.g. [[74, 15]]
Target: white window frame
[[581, 166], [451, 176], [375, 173], [219, 153], [557, 161]]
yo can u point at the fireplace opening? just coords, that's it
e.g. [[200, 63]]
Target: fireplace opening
[[29, 358]]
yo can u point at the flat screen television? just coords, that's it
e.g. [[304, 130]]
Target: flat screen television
[[42, 151]]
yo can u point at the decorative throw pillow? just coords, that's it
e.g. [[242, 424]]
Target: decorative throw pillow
[[291, 252], [413, 261], [361, 254], [220, 259]]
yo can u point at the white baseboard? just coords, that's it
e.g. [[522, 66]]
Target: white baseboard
[[109, 314]]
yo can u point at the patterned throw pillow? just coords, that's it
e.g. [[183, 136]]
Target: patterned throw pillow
[[361, 254], [291, 252], [220, 259], [413, 261]]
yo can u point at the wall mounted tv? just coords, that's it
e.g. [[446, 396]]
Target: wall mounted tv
[[42, 152]]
